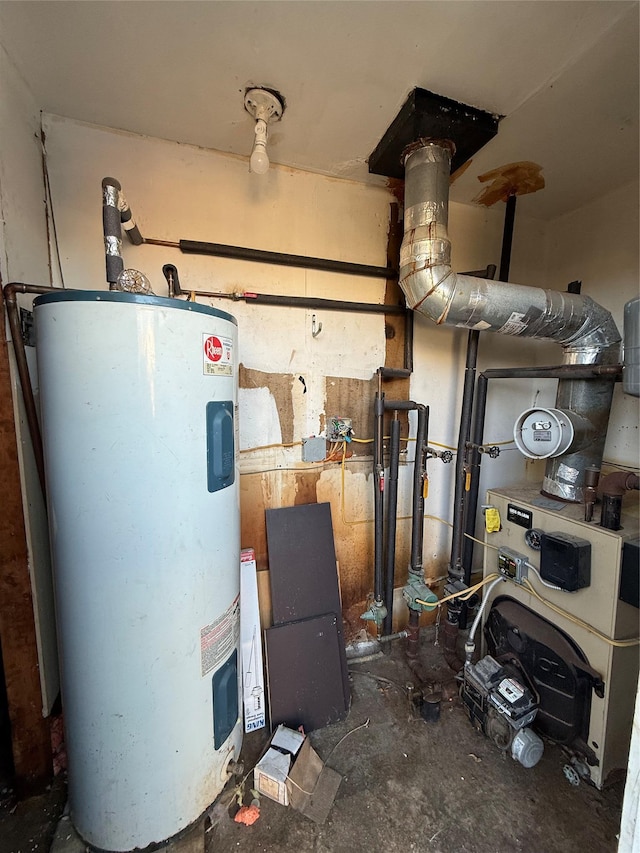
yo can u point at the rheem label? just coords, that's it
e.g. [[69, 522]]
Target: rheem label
[[217, 355]]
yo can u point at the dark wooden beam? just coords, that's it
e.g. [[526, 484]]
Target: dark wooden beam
[[30, 735]]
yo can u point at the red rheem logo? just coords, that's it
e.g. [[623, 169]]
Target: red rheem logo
[[213, 348]]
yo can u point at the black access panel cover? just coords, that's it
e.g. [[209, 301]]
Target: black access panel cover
[[304, 673], [425, 114], [303, 570]]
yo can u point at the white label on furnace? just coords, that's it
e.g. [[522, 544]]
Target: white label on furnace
[[220, 638], [217, 355]]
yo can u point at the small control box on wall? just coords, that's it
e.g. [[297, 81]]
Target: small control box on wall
[[565, 560]]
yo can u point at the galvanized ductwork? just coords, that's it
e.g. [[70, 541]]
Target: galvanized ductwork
[[585, 330]]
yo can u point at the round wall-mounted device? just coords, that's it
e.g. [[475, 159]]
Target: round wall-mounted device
[[541, 433]]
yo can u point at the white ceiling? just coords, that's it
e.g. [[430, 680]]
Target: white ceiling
[[564, 74]]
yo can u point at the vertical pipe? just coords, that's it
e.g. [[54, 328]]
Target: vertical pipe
[[112, 229], [457, 538], [417, 526], [378, 498], [475, 456], [392, 511], [477, 433], [408, 340], [507, 238]]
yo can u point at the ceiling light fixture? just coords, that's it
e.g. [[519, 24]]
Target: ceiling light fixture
[[265, 107]]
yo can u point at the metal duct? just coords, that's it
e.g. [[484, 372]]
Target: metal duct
[[585, 330]]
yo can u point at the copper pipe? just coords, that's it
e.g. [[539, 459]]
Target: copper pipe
[[10, 291]]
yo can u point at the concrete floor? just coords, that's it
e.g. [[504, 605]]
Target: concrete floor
[[406, 785], [412, 785]]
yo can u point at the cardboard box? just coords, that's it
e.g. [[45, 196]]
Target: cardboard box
[[292, 773]]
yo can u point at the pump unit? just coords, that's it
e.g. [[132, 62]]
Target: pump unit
[[138, 399]]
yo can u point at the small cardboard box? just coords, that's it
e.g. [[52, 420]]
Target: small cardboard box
[[292, 773]]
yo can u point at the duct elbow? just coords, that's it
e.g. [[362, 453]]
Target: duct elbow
[[429, 290]]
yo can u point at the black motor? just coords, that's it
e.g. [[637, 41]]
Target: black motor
[[503, 708]]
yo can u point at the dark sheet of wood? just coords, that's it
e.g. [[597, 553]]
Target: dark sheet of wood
[[304, 673], [303, 572], [302, 561]]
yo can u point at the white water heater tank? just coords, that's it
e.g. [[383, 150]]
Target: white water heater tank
[[138, 398]]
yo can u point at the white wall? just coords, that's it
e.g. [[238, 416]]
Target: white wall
[[600, 245], [24, 257], [178, 191]]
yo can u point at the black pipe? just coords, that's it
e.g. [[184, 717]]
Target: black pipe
[[326, 304], [299, 302], [507, 238], [10, 291], [111, 227], [378, 498], [459, 501], [560, 371], [392, 511], [460, 496], [220, 250], [419, 469], [408, 341]]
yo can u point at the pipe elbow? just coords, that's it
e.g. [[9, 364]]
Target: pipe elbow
[[616, 484]]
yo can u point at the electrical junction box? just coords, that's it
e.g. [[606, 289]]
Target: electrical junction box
[[339, 429], [314, 449], [565, 560], [512, 565]]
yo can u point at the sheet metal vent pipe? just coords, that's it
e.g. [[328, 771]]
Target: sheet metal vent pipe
[[585, 330]]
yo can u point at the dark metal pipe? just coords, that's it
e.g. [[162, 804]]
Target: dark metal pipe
[[378, 498], [507, 238], [10, 292], [413, 636], [300, 302], [408, 341], [392, 511], [419, 468], [220, 250], [111, 227], [327, 304], [477, 433], [457, 537], [561, 371]]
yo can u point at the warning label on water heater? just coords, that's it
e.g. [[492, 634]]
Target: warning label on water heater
[[220, 638], [217, 355]]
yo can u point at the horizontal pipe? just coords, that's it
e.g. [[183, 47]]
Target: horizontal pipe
[[560, 371], [220, 250], [300, 302]]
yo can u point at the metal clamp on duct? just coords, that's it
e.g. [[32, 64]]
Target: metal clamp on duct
[[585, 330]]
